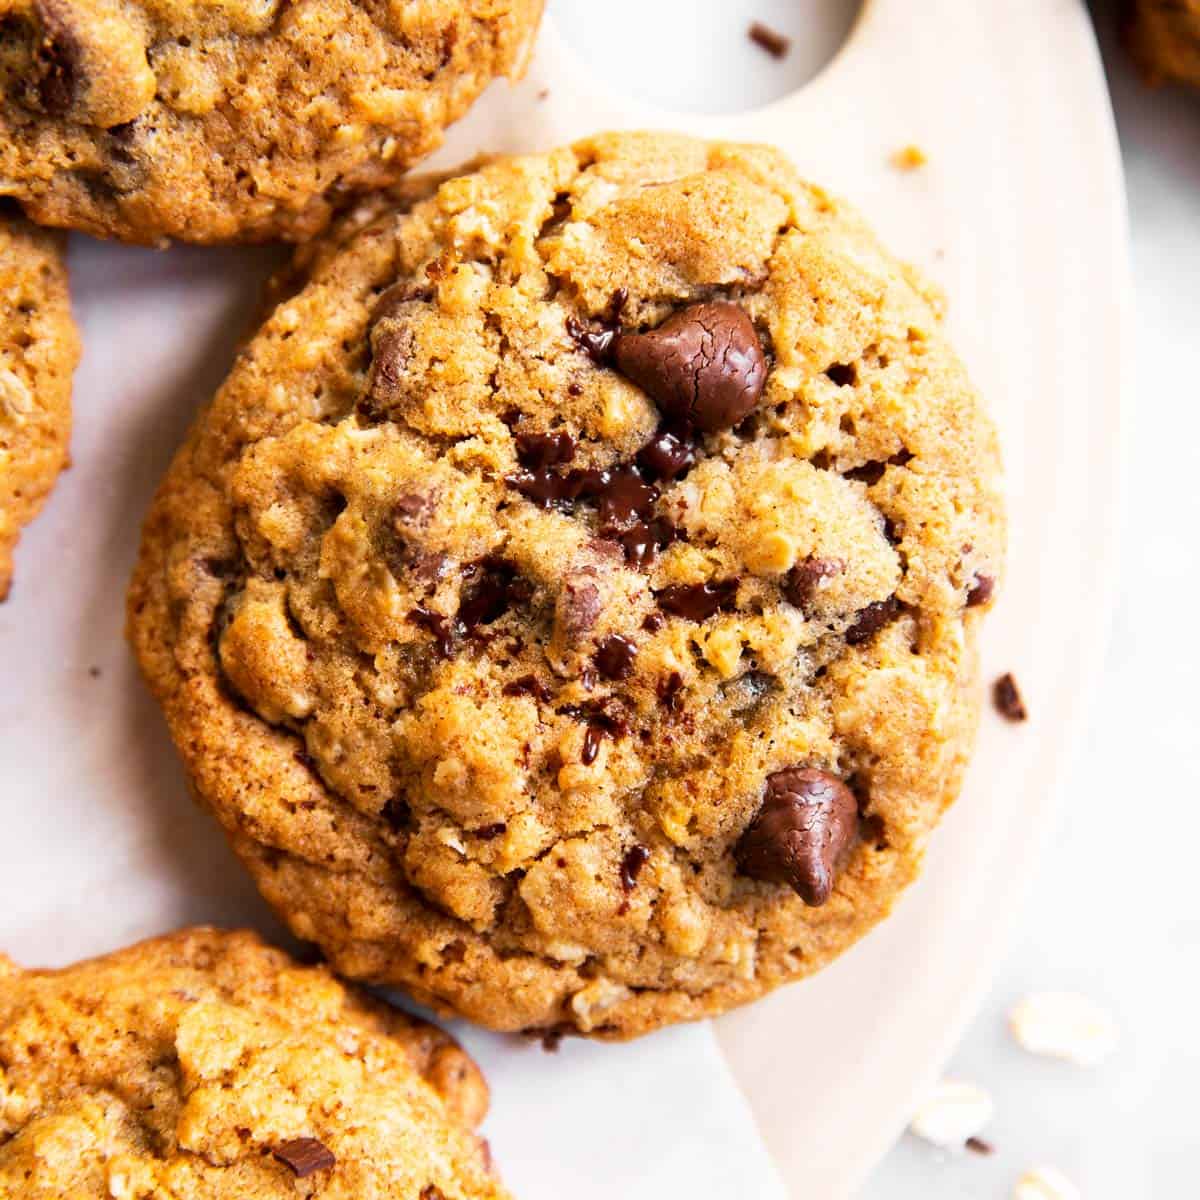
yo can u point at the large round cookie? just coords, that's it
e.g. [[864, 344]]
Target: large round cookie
[[38, 352], [248, 119], [568, 604], [208, 1065], [1164, 36]]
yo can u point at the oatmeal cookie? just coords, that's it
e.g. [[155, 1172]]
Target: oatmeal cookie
[[207, 1064], [246, 120], [38, 352], [568, 604]]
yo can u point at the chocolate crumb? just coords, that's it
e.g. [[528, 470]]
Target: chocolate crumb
[[304, 1156], [1007, 698], [978, 1146], [635, 859], [770, 40]]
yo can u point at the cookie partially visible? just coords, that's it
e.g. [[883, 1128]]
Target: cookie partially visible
[[1164, 38], [148, 120], [207, 1064], [39, 349]]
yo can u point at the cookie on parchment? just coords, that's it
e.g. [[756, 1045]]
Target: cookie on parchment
[[147, 120], [568, 604], [207, 1064], [39, 348], [1164, 37]]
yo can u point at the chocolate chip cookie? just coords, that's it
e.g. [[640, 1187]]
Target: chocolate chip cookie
[[208, 1064], [1164, 37], [568, 604], [250, 119], [38, 352]]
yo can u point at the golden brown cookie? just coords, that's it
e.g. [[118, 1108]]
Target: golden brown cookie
[[38, 352], [246, 120], [1164, 37], [568, 604], [207, 1064]]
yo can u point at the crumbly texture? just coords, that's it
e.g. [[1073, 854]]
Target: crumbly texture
[[38, 352], [1164, 37], [392, 674], [245, 120], [192, 1065]]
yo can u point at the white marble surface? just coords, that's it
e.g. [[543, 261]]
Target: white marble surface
[[1115, 911]]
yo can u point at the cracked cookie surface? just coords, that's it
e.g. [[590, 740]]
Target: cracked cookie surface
[[39, 348], [562, 700], [207, 1064], [1164, 38], [148, 120]]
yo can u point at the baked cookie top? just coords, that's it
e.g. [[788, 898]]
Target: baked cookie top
[[207, 1064], [38, 352], [567, 605], [245, 120], [1164, 37]]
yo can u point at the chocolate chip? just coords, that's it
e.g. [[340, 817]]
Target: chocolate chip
[[57, 63], [980, 591], [492, 587], [802, 581], [773, 42], [635, 859], [644, 540], [591, 745], [697, 601], [488, 833], [669, 688], [614, 658], [669, 453], [438, 625], [653, 622], [527, 685], [596, 344], [304, 1156], [390, 301], [392, 348], [871, 620], [703, 365], [807, 821], [578, 605], [843, 374], [1007, 698], [545, 449], [625, 497]]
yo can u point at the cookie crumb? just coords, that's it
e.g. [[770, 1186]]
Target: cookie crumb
[[1064, 1025], [909, 158], [1006, 696], [305, 1156], [543, 94], [978, 1145], [951, 1114], [1045, 1183], [771, 40]]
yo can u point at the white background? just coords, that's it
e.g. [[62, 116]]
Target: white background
[[1116, 908]]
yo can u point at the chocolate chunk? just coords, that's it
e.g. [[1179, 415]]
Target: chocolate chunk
[[669, 688], [537, 450], [697, 601], [1007, 698], [591, 745], [669, 453], [703, 365], [980, 591], [596, 344], [304, 1156], [773, 42], [843, 374], [493, 587], [871, 620], [807, 821], [488, 833], [390, 301], [578, 604], [625, 497], [543, 486], [803, 580], [614, 658], [635, 859], [392, 348], [438, 625], [527, 685]]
